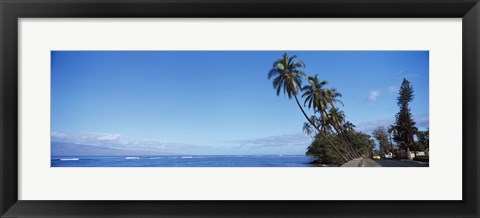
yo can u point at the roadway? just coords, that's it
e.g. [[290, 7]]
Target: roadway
[[400, 163]]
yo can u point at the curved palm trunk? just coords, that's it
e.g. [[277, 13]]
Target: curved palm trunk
[[315, 126], [323, 113], [342, 140], [347, 139], [357, 151]]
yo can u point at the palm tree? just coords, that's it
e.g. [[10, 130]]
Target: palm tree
[[324, 125], [313, 92], [348, 129], [307, 129], [348, 126], [316, 96], [319, 98], [315, 120], [288, 76], [332, 96], [336, 118]]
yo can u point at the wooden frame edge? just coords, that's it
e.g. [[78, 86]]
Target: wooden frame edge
[[11, 10]]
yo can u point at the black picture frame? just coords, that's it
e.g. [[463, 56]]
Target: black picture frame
[[11, 10]]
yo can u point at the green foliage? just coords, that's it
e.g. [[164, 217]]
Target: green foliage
[[381, 135], [423, 139], [324, 153], [335, 138], [404, 127], [288, 75], [362, 143], [405, 94]]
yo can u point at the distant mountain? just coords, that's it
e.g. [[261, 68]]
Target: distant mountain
[[72, 149]]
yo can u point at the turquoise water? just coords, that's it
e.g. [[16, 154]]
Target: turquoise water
[[185, 161]]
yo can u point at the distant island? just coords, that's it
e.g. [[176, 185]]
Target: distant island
[[73, 149]]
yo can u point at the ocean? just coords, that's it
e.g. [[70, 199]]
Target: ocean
[[185, 161]]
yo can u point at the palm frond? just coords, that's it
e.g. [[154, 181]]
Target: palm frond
[[273, 72]]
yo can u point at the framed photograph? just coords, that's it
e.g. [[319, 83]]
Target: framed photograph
[[239, 108]]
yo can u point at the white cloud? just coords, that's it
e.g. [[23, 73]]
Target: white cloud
[[109, 137], [113, 140], [373, 95], [280, 144], [58, 134], [393, 89]]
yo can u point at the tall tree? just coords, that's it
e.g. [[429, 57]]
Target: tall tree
[[404, 127], [381, 136], [391, 131], [287, 76]]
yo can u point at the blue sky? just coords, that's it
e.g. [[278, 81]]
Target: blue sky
[[218, 102]]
